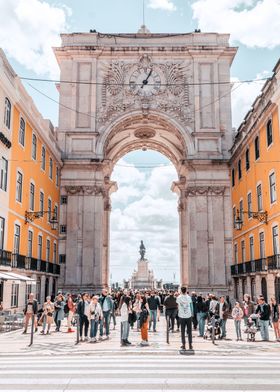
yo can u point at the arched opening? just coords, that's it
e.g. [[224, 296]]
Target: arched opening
[[144, 208], [264, 288], [253, 289]]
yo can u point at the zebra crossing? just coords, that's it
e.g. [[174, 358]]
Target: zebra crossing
[[149, 372]]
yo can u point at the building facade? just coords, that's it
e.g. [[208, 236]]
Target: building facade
[[164, 92], [255, 177], [29, 193]]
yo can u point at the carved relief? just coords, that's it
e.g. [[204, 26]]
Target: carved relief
[[167, 88], [144, 133], [95, 190], [205, 190]]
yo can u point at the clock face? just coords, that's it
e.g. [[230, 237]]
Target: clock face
[[145, 82]]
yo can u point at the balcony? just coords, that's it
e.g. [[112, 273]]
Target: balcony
[[12, 260], [259, 265]]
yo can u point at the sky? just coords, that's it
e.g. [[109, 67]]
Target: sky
[[144, 207]]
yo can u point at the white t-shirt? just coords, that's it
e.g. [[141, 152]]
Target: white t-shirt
[[184, 302]]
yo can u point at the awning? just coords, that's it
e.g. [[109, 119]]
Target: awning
[[13, 276]]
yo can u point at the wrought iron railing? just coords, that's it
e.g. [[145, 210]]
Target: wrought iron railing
[[258, 265]]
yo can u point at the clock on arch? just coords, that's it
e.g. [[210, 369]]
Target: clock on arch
[[145, 81]]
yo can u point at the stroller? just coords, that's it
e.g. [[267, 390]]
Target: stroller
[[252, 328], [213, 328]]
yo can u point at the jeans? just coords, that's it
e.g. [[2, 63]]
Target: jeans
[[172, 314], [113, 316], [138, 320], [124, 330], [223, 328], [153, 318], [84, 324], [237, 324], [106, 321], [93, 328], [264, 324], [201, 316], [186, 322]]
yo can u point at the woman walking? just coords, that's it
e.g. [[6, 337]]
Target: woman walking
[[95, 315], [125, 311], [144, 321], [275, 318], [137, 309], [83, 312], [48, 310], [201, 307], [237, 314], [59, 311]]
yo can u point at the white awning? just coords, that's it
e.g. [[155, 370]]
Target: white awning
[[13, 276]]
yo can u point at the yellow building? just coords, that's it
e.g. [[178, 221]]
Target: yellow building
[[29, 236], [255, 175]]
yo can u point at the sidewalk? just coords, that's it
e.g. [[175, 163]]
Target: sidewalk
[[61, 343]]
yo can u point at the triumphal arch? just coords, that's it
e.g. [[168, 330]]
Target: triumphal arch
[[165, 92]]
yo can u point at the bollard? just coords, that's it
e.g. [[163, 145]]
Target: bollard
[[167, 328], [32, 330], [78, 329]]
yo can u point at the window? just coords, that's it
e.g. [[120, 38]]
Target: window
[[62, 259], [16, 239], [239, 169], [234, 216], [272, 187], [40, 246], [7, 113], [63, 200], [241, 209], [43, 158], [259, 197], [235, 253], [19, 187], [14, 295], [275, 240], [56, 176], [257, 148], [247, 159], [55, 212], [49, 210], [262, 246], [32, 197], [30, 243], [51, 169], [4, 174], [28, 288], [21, 137], [54, 252], [41, 203], [269, 133], [249, 202], [243, 251], [63, 229], [251, 248], [48, 250], [232, 177], [38, 290], [34, 147], [2, 232]]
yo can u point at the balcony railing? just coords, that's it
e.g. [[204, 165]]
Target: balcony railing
[[27, 263], [259, 265]]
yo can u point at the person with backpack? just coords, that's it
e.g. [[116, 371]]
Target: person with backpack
[[171, 309], [185, 312], [144, 321]]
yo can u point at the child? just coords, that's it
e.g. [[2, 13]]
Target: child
[[237, 314]]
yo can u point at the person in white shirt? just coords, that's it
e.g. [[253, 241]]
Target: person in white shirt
[[185, 312], [125, 310]]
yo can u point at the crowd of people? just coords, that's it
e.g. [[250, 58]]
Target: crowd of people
[[141, 309]]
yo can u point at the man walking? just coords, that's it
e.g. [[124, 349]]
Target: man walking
[[171, 309], [31, 309], [185, 312], [223, 313], [263, 311], [154, 306]]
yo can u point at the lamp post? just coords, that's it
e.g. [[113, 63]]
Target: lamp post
[[30, 216], [261, 216]]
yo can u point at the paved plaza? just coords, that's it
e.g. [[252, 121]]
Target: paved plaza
[[56, 363]]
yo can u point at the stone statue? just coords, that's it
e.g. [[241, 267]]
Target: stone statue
[[142, 250]]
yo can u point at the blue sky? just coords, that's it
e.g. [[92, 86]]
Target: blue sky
[[28, 30]]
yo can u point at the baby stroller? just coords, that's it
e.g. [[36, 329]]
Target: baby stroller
[[252, 328], [213, 329]]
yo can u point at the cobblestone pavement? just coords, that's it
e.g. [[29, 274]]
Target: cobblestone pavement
[[61, 343]]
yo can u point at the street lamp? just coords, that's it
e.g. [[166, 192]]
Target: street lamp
[[30, 216], [261, 216]]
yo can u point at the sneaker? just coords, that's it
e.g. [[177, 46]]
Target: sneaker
[[24, 332], [86, 339], [183, 347], [107, 337], [100, 338], [190, 347], [127, 342], [144, 343], [93, 340]]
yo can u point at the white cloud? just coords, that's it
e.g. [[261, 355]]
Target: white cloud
[[28, 31], [253, 23], [243, 97], [166, 5], [145, 210]]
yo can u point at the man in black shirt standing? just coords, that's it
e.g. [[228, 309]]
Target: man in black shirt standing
[[154, 306]]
